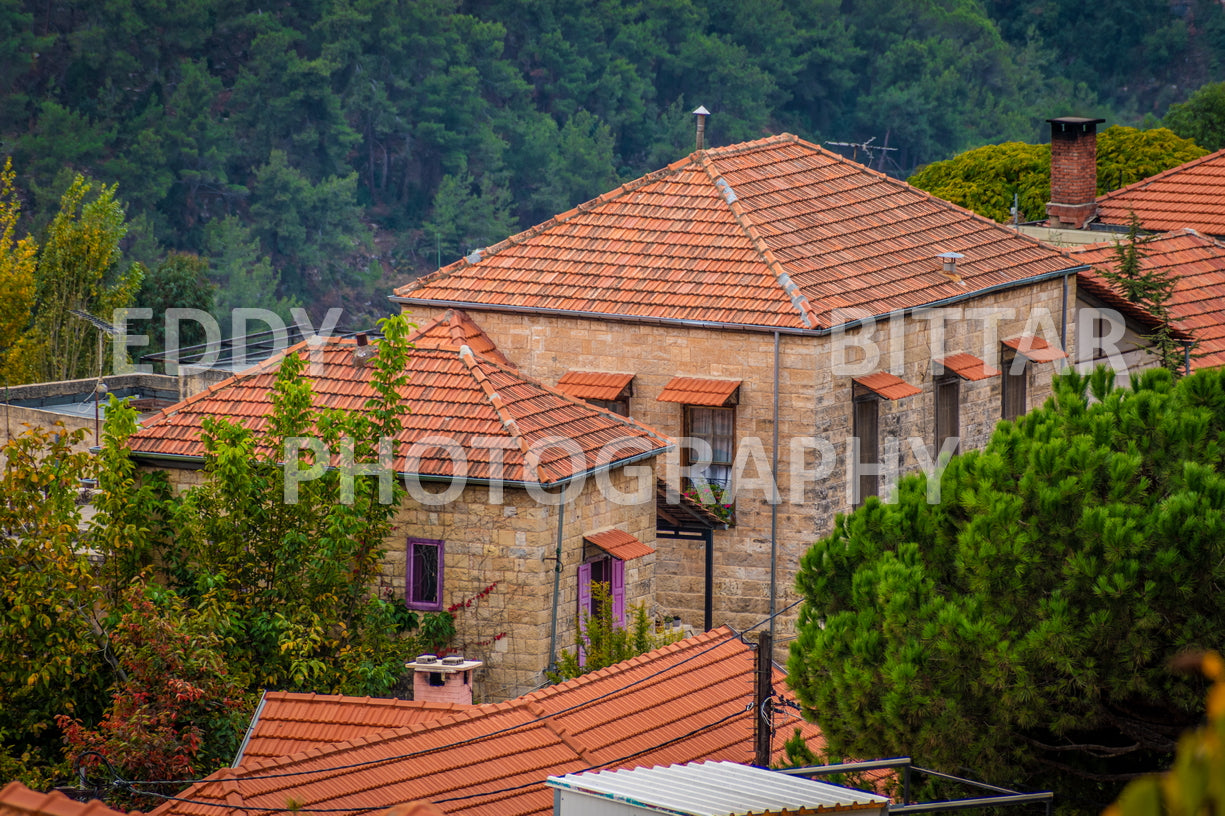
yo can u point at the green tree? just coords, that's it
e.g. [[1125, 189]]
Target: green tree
[[1017, 627], [50, 656], [18, 260], [986, 179], [244, 279], [468, 215], [80, 266], [604, 642], [1201, 118], [180, 281], [1150, 287]]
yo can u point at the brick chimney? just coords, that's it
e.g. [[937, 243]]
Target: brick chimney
[[448, 680], [1073, 201]]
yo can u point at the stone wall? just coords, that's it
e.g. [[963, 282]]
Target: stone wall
[[511, 542], [815, 399]]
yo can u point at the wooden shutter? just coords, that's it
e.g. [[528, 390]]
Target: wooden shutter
[[948, 411], [618, 590], [867, 431], [1013, 387], [584, 609]]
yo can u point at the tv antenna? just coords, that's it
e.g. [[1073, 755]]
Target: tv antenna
[[868, 148]]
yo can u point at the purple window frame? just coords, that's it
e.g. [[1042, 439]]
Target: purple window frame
[[410, 578]]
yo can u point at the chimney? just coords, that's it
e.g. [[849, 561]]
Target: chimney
[[364, 351], [700, 115], [448, 680], [1073, 201]]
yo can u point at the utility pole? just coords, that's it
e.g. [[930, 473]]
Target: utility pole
[[763, 694]]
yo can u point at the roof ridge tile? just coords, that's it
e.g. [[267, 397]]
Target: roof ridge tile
[[469, 358], [798, 300]]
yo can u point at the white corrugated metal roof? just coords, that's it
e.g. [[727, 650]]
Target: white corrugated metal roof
[[714, 789]]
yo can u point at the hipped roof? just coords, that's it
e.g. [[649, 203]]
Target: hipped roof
[[1197, 306], [1191, 195], [686, 702], [487, 408], [774, 233]]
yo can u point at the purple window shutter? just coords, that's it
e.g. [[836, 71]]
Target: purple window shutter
[[423, 579], [584, 607], [618, 591]]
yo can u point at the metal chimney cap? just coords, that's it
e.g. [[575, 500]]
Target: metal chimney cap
[[701, 111]]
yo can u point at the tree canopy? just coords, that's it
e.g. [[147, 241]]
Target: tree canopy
[[1201, 118], [986, 179], [357, 139], [1018, 626]]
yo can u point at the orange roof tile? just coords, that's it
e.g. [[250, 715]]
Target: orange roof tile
[[453, 329], [286, 724], [697, 391], [18, 800], [454, 394], [1035, 349], [887, 385], [969, 367], [619, 544], [1197, 305], [775, 233], [594, 385], [685, 702], [1189, 195]]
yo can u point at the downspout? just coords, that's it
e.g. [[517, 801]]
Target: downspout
[[774, 500], [708, 611], [1063, 320], [561, 520]]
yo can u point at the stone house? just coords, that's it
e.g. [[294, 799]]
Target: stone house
[[804, 326], [511, 485]]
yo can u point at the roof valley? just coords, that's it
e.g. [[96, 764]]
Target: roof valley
[[793, 292]]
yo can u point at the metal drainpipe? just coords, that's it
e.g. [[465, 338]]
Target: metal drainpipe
[[561, 518], [1063, 319], [774, 500], [708, 610]]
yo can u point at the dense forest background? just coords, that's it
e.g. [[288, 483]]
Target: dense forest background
[[316, 152]]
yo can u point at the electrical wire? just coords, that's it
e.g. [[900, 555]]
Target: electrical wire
[[511, 789], [499, 732]]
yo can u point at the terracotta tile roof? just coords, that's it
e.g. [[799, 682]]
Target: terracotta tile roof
[[696, 391], [1198, 303], [775, 233], [1035, 349], [619, 544], [18, 800], [685, 702], [1189, 195], [286, 724], [969, 367], [889, 386], [453, 329], [451, 393], [594, 385]]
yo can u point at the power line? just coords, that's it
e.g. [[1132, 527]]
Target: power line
[[470, 740]]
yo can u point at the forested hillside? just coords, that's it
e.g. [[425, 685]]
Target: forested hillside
[[319, 150]]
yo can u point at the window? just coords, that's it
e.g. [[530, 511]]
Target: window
[[617, 406], [423, 584], [717, 427], [604, 570], [1012, 392], [866, 431], [948, 411]]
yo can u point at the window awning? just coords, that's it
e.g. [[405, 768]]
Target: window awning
[[619, 544], [1035, 349], [695, 391], [887, 385], [968, 367], [596, 385]]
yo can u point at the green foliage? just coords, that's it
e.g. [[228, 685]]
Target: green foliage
[[180, 281], [604, 642], [79, 267], [1019, 628], [1195, 783], [1127, 155], [1151, 288], [50, 660], [986, 179], [18, 257], [1201, 118]]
